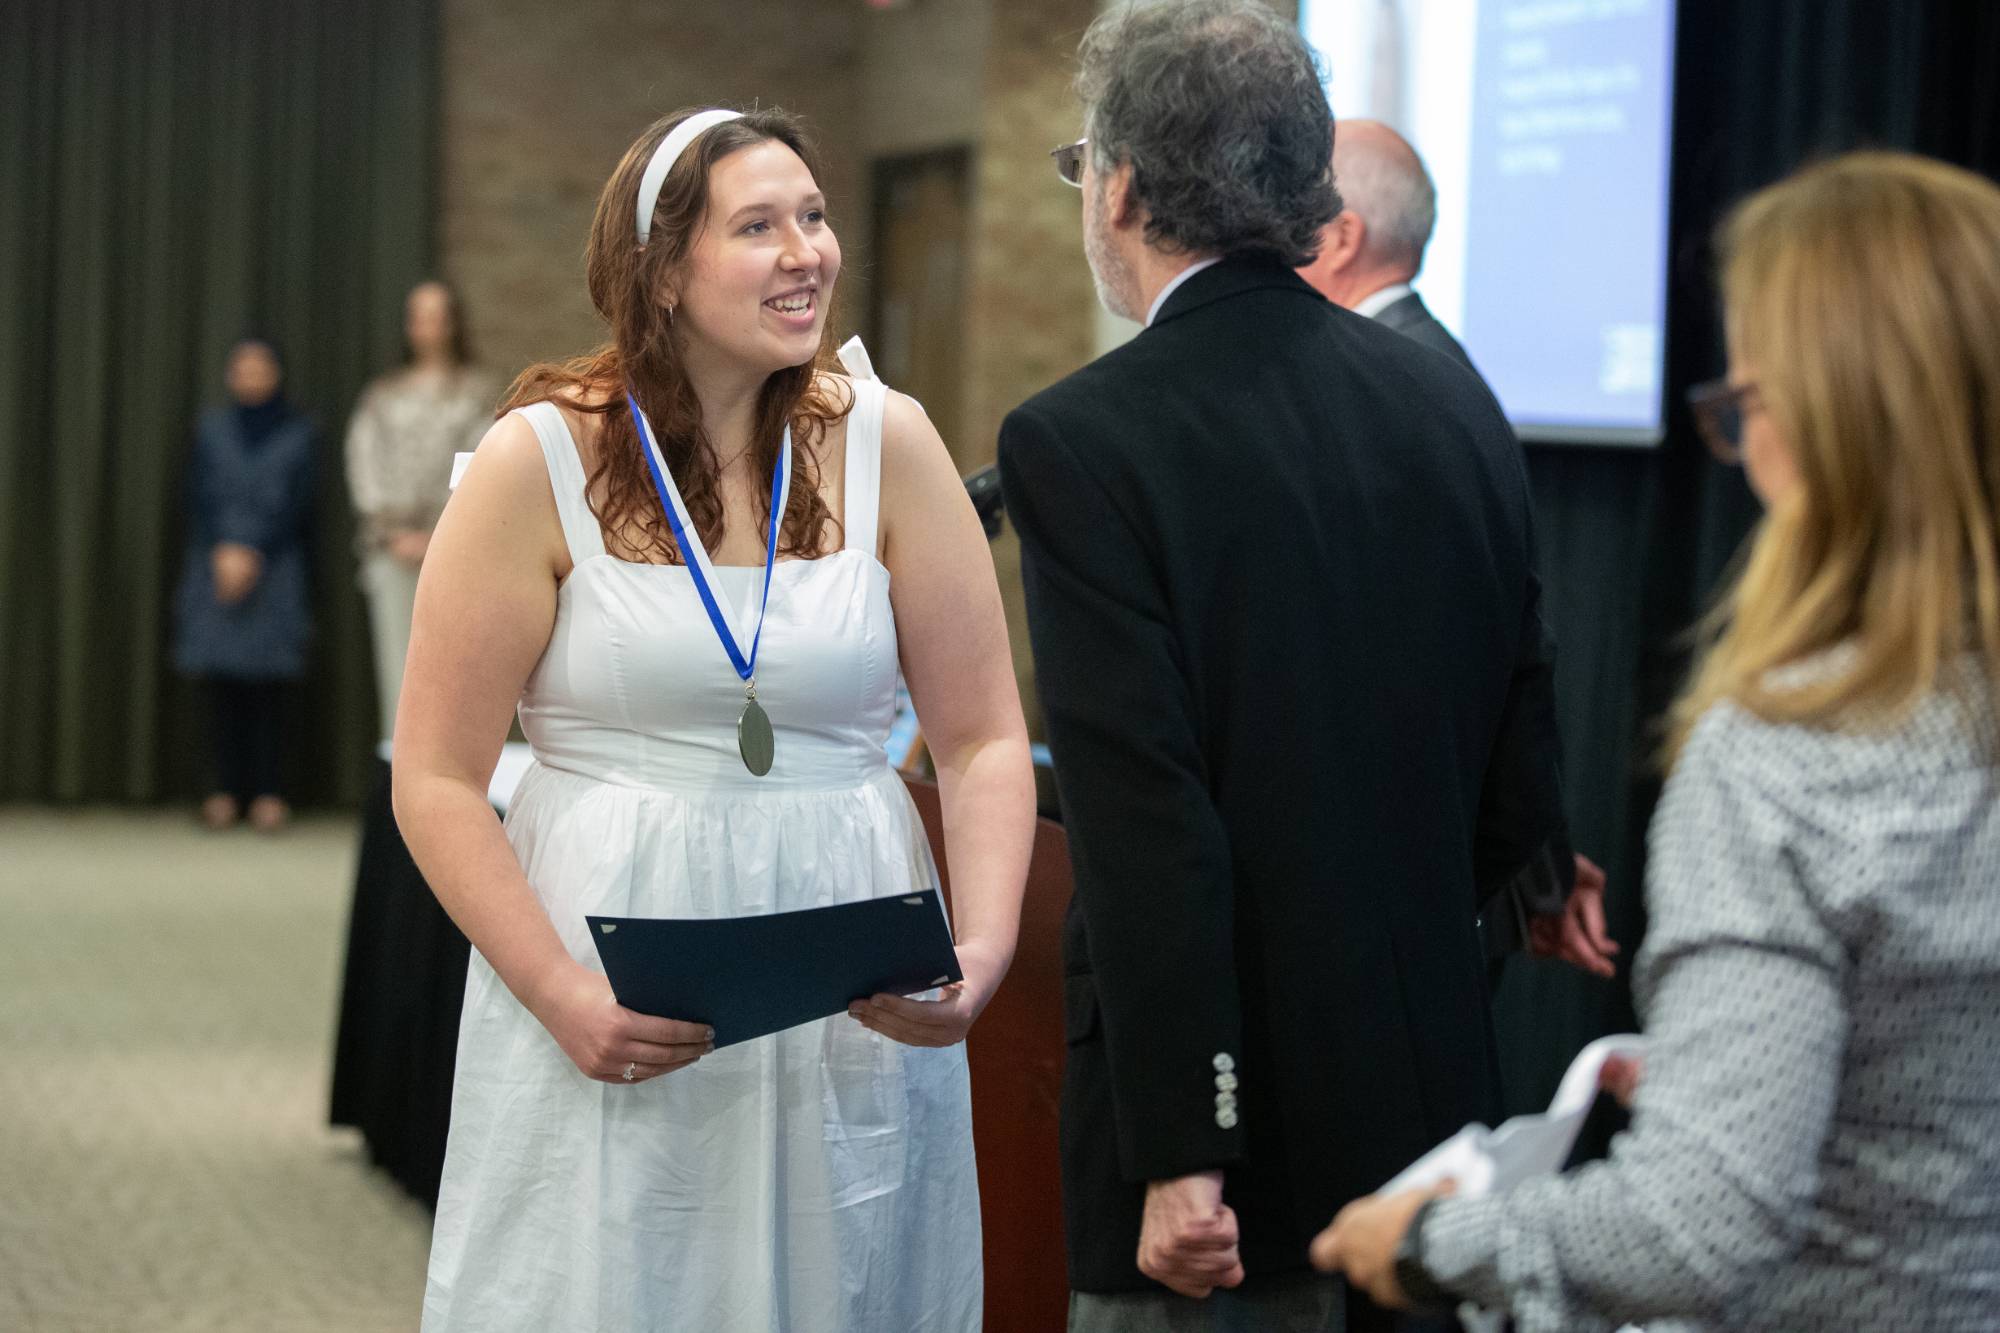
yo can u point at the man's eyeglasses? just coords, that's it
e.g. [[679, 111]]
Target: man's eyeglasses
[[1069, 162], [1719, 409]]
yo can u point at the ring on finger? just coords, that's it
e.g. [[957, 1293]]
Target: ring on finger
[[631, 1070]]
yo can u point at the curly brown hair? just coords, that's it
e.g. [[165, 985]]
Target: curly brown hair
[[643, 353], [1220, 109]]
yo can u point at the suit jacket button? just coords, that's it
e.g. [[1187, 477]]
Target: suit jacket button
[[1224, 1063], [1226, 1118], [1225, 1101], [1225, 1082]]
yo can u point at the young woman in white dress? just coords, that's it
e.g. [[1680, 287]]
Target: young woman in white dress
[[608, 1170]]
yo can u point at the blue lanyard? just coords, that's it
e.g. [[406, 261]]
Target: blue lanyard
[[696, 555]]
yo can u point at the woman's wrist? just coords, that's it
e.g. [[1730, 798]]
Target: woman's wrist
[[1413, 1274], [984, 962], [546, 986]]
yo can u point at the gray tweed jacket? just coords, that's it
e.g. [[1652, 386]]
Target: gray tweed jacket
[[1816, 1140]]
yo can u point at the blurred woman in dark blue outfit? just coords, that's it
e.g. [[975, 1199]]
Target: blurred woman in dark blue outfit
[[243, 613]]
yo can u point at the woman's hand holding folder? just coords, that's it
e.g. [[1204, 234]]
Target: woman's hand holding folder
[[945, 1020], [609, 1042]]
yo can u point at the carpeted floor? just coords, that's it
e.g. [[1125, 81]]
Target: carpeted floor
[[166, 1007]]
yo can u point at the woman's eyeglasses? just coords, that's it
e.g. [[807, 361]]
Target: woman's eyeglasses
[[1069, 162], [1719, 410]]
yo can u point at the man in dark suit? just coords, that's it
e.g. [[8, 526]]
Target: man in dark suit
[[1373, 249], [1286, 626], [1369, 254]]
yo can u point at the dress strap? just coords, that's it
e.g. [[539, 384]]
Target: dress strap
[[580, 527], [864, 464]]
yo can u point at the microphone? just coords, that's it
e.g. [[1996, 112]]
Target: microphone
[[983, 487]]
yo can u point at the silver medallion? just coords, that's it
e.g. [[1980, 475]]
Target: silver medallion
[[754, 740]]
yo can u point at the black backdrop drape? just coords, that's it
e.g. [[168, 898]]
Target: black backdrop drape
[[170, 174], [1634, 543]]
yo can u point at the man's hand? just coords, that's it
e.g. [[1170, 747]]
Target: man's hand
[[1577, 935], [1187, 1241], [235, 569]]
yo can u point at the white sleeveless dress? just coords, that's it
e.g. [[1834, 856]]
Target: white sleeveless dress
[[818, 1179]]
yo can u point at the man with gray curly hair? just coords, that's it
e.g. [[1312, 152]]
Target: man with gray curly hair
[[1284, 615], [1237, 172]]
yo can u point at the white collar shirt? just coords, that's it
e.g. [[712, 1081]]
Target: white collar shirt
[[1174, 283], [1375, 303]]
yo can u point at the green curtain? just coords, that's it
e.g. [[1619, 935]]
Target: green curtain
[[172, 174]]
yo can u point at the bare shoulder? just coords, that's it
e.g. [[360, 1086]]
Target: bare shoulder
[[505, 497], [922, 496], [508, 457], [909, 441]]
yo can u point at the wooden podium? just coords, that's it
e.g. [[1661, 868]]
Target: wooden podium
[[1016, 1054]]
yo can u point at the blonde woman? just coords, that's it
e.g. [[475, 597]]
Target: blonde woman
[[1816, 1134]]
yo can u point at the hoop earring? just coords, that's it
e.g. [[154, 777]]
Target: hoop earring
[[670, 314]]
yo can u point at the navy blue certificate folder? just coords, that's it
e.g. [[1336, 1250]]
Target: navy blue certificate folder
[[746, 976]]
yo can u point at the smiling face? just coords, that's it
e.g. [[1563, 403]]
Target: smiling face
[[758, 279]]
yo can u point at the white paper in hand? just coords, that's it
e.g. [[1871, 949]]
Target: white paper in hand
[[1483, 1161]]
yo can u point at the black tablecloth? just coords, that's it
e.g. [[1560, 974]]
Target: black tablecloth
[[398, 1034]]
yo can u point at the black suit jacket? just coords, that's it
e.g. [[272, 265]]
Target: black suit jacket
[[1288, 644], [1544, 885], [1409, 316]]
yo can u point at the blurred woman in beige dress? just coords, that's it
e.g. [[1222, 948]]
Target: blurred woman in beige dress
[[407, 426]]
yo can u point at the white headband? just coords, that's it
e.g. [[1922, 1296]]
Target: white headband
[[664, 157]]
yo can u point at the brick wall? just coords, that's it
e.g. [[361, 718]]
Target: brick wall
[[1029, 320], [920, 75], [541, 100]]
